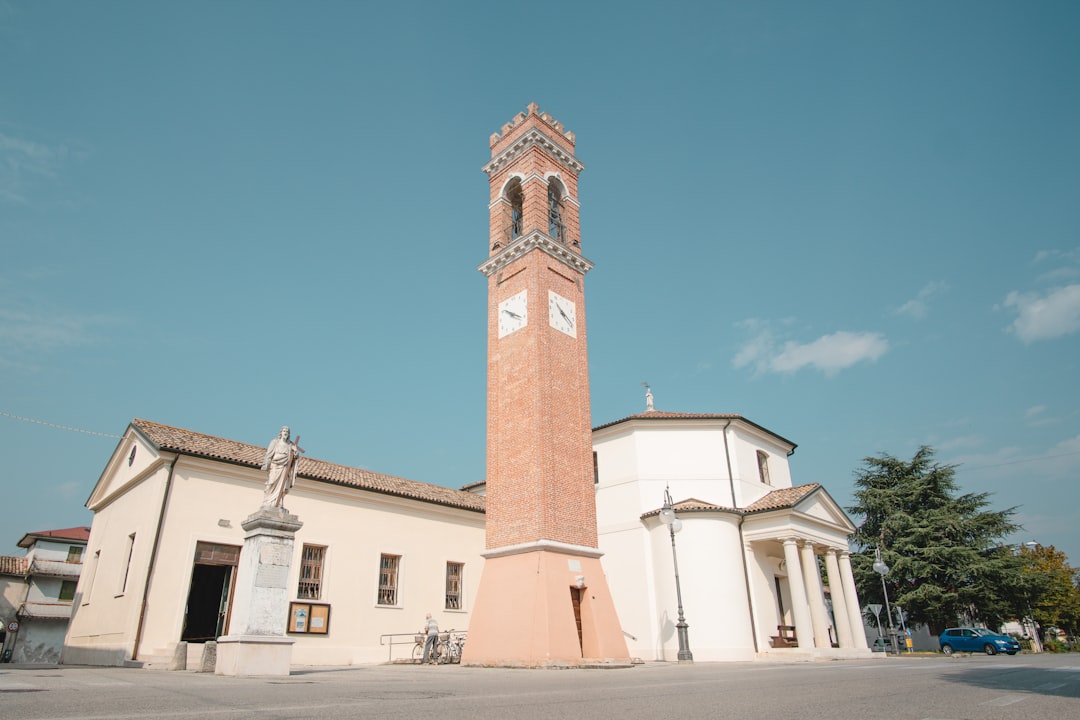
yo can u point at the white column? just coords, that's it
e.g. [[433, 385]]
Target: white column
[[839, 602], [749, 561], [851, 597], [804, 627], [815, 595]]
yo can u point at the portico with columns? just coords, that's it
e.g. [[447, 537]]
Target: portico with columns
[[789, 535]]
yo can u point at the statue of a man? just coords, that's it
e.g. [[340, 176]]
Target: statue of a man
[[282, 456]]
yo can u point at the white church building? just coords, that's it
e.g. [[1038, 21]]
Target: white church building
[[377, 552], [750, 548]]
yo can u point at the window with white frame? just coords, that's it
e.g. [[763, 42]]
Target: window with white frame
[[311, 572], [388, 579], [454, 571]]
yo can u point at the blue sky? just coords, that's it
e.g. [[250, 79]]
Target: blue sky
[[857, 224]]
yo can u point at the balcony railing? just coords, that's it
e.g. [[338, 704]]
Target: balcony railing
[[45, 611], [55, 568]]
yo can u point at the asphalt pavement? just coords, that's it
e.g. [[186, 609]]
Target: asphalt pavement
[[917, 687]]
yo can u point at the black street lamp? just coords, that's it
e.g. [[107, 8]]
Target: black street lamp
[[674, 525]]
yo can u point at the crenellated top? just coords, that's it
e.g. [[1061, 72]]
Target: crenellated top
[[531, 117]]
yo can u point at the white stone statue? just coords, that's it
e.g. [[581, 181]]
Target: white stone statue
[[282, 457], [648, 398]]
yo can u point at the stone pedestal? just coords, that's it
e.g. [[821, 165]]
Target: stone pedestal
[[256, 644]]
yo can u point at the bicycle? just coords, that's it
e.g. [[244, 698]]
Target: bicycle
[[418, 650], [450, 646], [447, 648]]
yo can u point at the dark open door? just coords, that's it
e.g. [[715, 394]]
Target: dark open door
[[212, 573]]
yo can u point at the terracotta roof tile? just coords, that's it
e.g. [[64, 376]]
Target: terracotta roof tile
[[75, 534], [783, 498], [692, 505], [776, 500], [187, 442], [12, 565]]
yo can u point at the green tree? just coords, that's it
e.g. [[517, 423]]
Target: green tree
[[946, 562], [1051, 587]]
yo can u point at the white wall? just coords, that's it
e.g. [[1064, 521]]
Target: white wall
[[105, 616], [50, 550], [713, 589], [636, 461], [209, 500]]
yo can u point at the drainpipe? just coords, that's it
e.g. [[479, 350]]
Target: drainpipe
[[742, 550], [153, 559]]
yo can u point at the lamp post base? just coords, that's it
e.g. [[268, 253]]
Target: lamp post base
[[685, 656]]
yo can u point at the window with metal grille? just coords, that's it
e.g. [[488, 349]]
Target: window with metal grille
[[388, 579], [311, 572], [74, 554], [453, 585]]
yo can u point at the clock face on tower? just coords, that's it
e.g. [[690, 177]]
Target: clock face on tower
[[513, 313], [561, 314]]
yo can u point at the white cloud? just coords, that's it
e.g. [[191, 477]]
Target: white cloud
[[69, 490], [918, 306], [755, 351], [1067, 264], [25, 334], [1066, 256], [24, 163], [955, 444], [1044, 317], [28, 331], [829, 353]]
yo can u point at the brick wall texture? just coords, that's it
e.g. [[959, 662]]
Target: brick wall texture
[[539, 442]]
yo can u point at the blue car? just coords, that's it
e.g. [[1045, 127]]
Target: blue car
[[976, 640]]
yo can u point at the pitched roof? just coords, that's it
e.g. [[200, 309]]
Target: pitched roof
[[662, 415], [79, 534], [693, 505], [776, 500], [780, 499], [188, 442], [12, 565]]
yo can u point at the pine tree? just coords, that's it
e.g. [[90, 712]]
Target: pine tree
[[947, 565]]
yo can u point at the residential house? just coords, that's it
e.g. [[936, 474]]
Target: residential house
[[36, 594]]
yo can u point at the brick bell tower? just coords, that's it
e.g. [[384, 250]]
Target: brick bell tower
[[543, 598]]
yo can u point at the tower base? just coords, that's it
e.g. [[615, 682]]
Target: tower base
[[544, 604]]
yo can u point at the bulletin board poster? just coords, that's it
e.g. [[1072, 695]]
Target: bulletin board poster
[[310, 618]]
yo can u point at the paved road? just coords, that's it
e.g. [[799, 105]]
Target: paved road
[[919, 688]]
